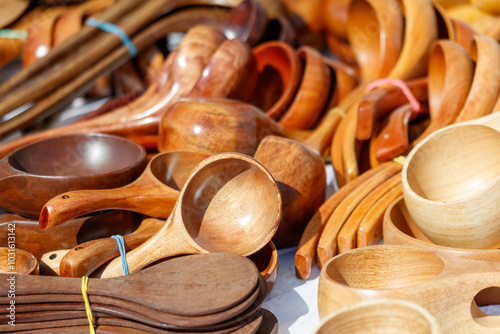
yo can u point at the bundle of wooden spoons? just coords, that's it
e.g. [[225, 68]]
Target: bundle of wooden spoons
[[182, 294]]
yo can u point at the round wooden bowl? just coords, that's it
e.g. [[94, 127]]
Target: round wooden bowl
[[389, 316], [16, 260], [266, 260]]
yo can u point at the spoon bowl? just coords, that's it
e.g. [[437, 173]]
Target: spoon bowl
[[229, 204], [451, 184]]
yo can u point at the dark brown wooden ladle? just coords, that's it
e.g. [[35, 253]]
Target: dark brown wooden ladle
[[33, 174], [154, 193]]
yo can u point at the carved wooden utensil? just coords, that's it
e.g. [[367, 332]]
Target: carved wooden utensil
[[11, 10], [31, 238], [154, 193], [451, 184], [417, 275], [17, 260], [166, 285], [400, 229], [302, 187], [230, 203], [53, 166]]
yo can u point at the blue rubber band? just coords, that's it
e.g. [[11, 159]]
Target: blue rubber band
[[114, 29], [123, 254]]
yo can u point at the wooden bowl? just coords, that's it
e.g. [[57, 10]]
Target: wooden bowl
[[451, 184], [16, 260], [266, 260], [380, 316]]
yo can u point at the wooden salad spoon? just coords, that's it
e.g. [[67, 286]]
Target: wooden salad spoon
[[230, 203], [64, 163], [31, 238], [191, 124], [302, 187], [17, 260], [153, 193], [400, 229], [485, 88], [450, 80], [451, 181]]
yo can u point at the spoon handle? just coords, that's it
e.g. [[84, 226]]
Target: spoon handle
[[87, 257], [171, 240], [148, 198]]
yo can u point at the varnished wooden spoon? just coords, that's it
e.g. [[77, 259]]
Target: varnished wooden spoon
[[17, 260], [154, 193], [230, 203]]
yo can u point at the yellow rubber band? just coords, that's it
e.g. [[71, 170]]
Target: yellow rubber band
[[85, 282], [400, 159]]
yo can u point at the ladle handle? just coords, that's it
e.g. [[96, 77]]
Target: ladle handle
[[152, 200], [87, 257], [491, 120], [170, 241]]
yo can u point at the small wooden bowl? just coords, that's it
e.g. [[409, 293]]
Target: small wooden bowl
[[380, 316], [19, 261], [267, 263]]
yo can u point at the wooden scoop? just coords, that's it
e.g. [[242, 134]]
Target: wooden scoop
[[417, 275], [230, 203], [451, 184], [17, 260], [59, 164], [154, 193]]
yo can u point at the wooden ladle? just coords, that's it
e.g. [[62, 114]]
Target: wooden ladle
[[154, 193], [53, 166], [451, 184], [230, 203], [17, 260]]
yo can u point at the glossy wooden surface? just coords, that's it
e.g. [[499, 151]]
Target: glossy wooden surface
[[230, 203], [451, 181], [64, 163], [301, 178], [416, 275], [247, 22], [153, 193], [17, 260]]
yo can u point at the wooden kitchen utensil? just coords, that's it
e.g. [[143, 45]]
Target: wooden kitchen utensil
[[154, 193], [451, 184], [17, 260], [64, 163], [416, 275], [230, 203]]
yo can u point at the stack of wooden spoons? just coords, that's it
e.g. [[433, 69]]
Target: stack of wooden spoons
[[207, 293]]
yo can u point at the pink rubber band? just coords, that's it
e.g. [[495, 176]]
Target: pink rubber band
[[414, 104]]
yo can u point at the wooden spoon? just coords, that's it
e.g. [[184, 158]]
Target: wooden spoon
[[210, 216], [17, 260], [154, 193], [64, 163], [11, 10], [302, 188], [450, 79], [31, 238], [451, 181], [197, 275], [247, 22]]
